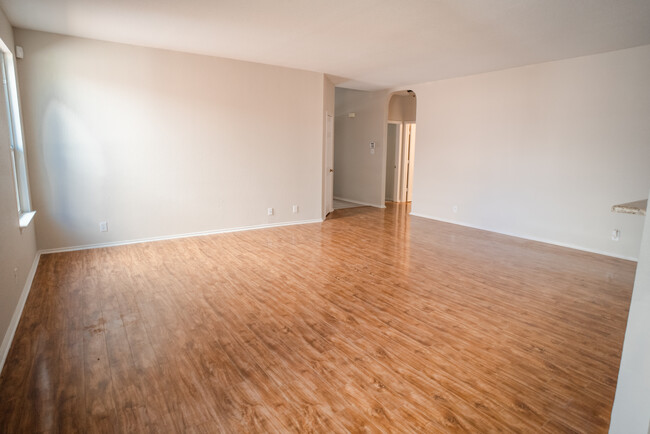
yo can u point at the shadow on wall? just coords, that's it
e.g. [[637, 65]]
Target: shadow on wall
[[74, 166]]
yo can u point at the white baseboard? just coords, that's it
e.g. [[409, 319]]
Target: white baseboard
[[173, 237], [540, 240], [15, 319], [359, 202]]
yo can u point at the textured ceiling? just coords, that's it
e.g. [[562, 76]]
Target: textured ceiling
[[367, 44]]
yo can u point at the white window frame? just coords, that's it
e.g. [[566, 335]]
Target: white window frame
[[17, 143]]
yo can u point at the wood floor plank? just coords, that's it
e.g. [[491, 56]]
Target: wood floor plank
[[373, 321]]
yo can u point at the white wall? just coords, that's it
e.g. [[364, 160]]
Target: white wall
[[541, 151], [359, 174], [17, 249], [161, 143], [631, 412]]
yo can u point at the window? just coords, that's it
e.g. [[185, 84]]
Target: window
[[17, 144]]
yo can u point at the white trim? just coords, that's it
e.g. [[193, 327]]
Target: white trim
[[25, 219], [18, 312], [540, 240], [359, 202], [173, 237]]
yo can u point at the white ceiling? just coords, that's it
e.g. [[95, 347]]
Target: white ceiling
[[369, 44]]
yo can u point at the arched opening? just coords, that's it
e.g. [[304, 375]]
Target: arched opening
[[400, 146]]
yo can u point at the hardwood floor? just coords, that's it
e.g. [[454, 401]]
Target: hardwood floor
[[372, 321]]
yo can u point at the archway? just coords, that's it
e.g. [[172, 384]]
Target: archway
[[400, 146]]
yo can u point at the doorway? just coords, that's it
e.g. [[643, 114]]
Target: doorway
[[393, 168], [400, 146], [329, 163]]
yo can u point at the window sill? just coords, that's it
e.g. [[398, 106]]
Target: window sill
[[25, 219]]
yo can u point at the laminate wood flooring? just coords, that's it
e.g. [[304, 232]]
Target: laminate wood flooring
[[342, 204], [373, 321]]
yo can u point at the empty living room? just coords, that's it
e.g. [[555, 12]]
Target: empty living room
[[223, 216]]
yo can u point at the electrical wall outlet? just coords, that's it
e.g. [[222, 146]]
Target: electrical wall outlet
[[103, 226], [269, 211], [295, 209], [616, 235]]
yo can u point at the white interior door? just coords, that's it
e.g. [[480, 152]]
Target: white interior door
[[329, 163]]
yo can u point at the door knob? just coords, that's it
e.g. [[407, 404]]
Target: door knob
[[331, 170]]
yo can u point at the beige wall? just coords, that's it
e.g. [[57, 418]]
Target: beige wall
[[358, 173], [160, 143], [631, 412], [17, 249], [541, 151], [402, 108]]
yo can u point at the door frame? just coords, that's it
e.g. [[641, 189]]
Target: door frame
[[398, 159], [401, 182], [407, 155], [328, 194]]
